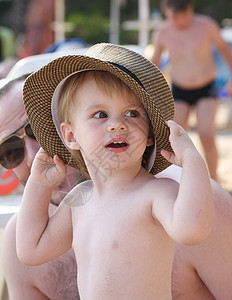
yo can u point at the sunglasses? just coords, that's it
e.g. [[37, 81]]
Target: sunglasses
[[12, 148]]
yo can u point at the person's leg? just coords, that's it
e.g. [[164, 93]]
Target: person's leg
[[56, 279], [206, 112], [204, 271], [182, 110]]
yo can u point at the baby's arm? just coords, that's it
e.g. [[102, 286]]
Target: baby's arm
[[38, 237], [192, 212]]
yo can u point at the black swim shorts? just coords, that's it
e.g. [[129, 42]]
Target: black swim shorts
[[194, 95]]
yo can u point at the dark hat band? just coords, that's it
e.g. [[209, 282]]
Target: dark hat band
[[124, 69]]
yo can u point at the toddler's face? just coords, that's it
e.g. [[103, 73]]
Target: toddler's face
[[110, 129]]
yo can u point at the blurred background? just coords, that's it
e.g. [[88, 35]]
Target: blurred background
[[93, 20], [29, 27]]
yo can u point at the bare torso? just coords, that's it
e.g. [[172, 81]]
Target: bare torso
[[121, 251], [191, 61], [204, 271]]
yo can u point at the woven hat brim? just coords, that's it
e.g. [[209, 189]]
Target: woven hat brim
[[40, 86]]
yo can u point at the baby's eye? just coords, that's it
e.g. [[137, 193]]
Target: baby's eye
[[132, 113], [100, 114]]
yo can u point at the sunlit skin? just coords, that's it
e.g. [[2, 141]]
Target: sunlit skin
[[128, 227], [204, 271]]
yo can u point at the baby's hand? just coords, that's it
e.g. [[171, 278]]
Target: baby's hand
[[180, 142], [46, 170]]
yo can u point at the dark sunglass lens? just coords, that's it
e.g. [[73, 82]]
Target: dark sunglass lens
[[29, 132], [12, 152]]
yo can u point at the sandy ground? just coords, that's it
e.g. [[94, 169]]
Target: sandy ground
[[223, 140]]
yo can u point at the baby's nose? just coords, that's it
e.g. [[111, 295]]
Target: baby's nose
[[117, 127]]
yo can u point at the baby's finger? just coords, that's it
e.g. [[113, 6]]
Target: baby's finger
[[170, 156], [171, 123], [175, 129], [60, 165]]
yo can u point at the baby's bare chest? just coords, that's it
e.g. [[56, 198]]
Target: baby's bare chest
[[115, 227], [112, 243]]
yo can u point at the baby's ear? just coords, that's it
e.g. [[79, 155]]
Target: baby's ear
[[68, 135]]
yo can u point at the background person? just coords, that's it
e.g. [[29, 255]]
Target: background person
[[188, 38]]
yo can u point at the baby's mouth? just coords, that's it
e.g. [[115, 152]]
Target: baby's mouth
[[119, 144]]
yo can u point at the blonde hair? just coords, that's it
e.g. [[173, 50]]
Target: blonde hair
[[106, 81]]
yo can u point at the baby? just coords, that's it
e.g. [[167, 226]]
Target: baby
[[107, 114]]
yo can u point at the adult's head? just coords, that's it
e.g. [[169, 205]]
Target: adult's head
[[12, 118], [18, 146]]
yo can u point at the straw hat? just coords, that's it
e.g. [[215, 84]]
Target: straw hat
[[143, 77]]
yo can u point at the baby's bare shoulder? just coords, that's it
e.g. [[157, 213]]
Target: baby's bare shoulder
[[161, 186]]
